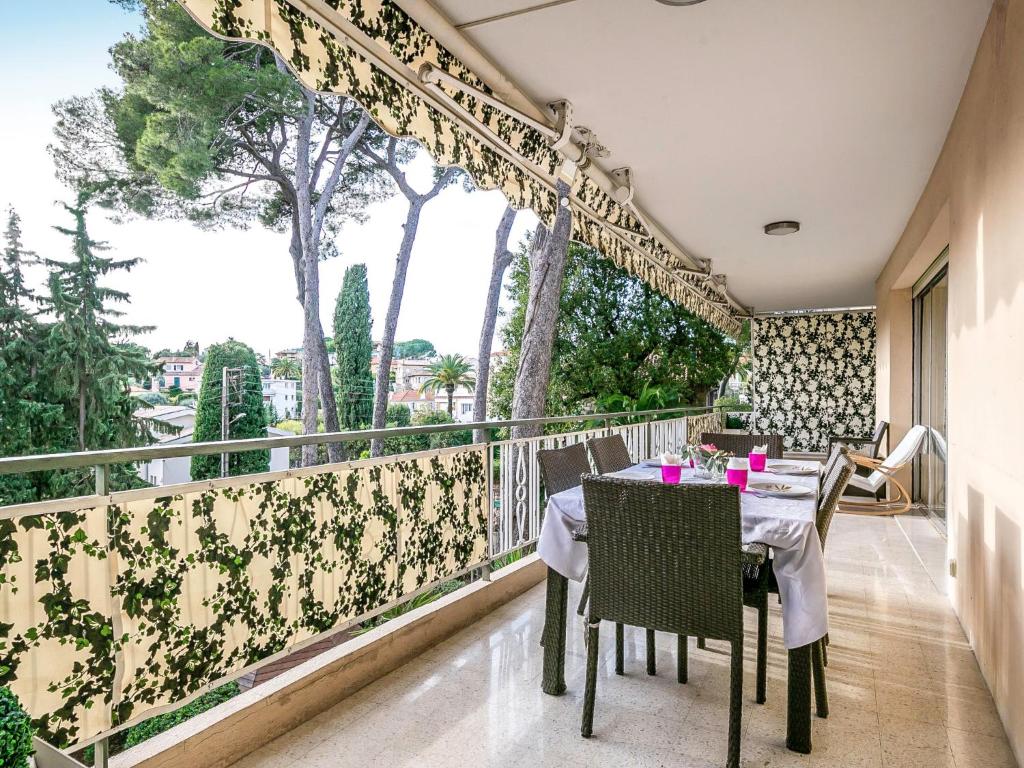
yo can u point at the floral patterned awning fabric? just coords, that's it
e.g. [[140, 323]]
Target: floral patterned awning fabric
[[814, 376], [323, 61], [112, 612]]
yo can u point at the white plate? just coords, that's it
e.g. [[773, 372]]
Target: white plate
[[790, 469], [651, 463], [784, 490]]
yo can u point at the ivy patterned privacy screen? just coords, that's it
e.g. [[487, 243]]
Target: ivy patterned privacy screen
[[814, 376], [319, 52], [109, 613]]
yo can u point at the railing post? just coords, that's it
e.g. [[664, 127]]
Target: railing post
[[102, 473], [485, 574], [101, 753]]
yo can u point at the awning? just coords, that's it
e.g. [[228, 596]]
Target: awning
[[379, 55]]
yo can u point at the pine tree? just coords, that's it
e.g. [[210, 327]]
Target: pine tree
[[28, 423], [246, 415], [88, 363], [354, 348]]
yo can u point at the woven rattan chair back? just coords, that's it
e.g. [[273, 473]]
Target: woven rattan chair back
[[665, 557], [741, 445], [610, 454], [561, 468], [838, 471]]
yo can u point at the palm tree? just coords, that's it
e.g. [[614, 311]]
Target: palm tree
[[448, 373], [286, 368]]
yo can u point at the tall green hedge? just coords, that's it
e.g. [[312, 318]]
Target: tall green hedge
[[245, 410]]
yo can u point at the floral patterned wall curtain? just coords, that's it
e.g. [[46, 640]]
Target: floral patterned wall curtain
[[114, 613], [323, 61], [814, 376]]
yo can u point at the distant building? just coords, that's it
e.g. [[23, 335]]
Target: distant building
[[283, 395], [179, 469], [186, 373], [292, 353]]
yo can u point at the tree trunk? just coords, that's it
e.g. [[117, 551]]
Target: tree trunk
[[502, 258], [387, 344], [547, 270], [311, 330], [450, 391]]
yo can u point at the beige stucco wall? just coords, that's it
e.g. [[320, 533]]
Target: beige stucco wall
[[974, 201]]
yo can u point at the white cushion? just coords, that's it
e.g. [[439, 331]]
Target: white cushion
[[908, 447]]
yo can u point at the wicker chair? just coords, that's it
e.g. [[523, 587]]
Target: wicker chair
[[610, 454], [741, 445], [666, 557], [561, 468]]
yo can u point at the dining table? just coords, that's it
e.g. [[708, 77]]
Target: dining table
[[785, 523]]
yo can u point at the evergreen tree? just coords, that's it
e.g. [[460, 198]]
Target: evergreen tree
[[28, 423], [246, 415], [354, 348], [88, 366]]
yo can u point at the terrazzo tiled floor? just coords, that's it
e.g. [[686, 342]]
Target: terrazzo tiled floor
[[904, 689]]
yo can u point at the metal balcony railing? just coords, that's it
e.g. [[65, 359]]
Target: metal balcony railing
[[117, 606]]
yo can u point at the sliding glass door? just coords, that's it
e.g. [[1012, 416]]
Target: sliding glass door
[[930, 321]]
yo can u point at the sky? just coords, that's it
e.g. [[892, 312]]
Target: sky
[[208, 286]]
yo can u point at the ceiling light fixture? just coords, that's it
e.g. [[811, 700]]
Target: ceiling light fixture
[[780, 228]]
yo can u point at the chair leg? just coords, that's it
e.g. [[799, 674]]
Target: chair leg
[[619, 648], [735, 703], [818, 673], [650, 652], [762, 650], [702, 643], [824, 649], [582, 609], [681, 658], [593, 632]]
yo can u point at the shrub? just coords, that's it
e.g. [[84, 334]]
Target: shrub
[[155, 725], [15, 731]]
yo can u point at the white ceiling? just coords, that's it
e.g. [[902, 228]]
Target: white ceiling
[[736, 113]]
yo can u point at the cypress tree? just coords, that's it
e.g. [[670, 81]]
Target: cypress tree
[[354, 347], [245, 410]]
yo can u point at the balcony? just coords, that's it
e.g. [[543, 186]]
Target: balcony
[[904, 689], [211, 580]]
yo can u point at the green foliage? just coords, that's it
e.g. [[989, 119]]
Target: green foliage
[[410, 605], [30, 422], [65, 384], [617, 342], [414, 348], [153, 398], [440, 439], [732, 403], [447, 374], [286, 368], [15, 732], [354, 348], [245, 404], [204, 129], [290, 425], [155, 725], [398, 415]]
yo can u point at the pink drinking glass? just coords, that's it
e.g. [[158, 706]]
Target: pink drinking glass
[[757, 461], [736, 477], [670, 473]]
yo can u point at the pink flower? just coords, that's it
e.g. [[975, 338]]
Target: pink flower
[[709, 447]]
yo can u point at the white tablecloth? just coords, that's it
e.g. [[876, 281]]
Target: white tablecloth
[[786, 525]]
